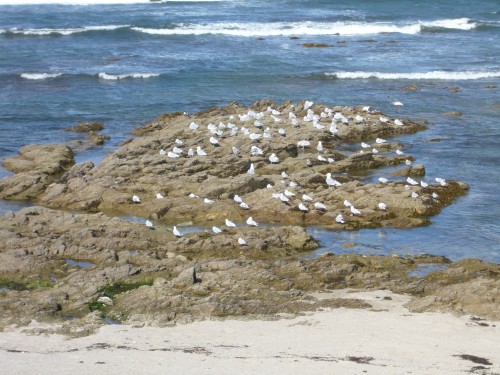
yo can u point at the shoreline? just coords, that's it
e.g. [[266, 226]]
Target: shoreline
[[386, 339]]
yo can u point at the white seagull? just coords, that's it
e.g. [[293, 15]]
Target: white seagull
[[216, 230], [383, 180], [149, 224], [200, 152], [237, 199], [382, 206], [242, 242], [347, 203], [307, 198], [332, 182], [397, 104], [176, 232], [319, 147], [340, 219], [136, 199], [251, 170], [252, 222], [159, 196], [274, 159], [380, 140], [320, 206], [230, 224], [355, 211], [208, 201]]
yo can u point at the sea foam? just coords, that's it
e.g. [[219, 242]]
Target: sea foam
[[436, 74], [40, 76], [61, 31], [115, 77]]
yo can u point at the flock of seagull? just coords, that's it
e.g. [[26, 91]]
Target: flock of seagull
[[260, 131]]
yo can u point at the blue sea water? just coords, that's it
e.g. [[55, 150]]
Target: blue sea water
[[124, 64]]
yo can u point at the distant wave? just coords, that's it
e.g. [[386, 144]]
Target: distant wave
[[60, 31], [102, 75], [437, 74], [266, 29], [307, 28], [115, 77], [90, 2], [40, 76]]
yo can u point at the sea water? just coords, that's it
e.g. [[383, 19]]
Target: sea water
[[125, 62]]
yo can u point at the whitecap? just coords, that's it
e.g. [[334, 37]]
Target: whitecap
[[436, 75], [61, 31], [116, 77], [40, 76]]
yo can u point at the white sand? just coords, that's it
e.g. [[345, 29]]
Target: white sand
[[318, 343]]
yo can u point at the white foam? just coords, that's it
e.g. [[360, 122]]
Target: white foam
[[457, 23], [91, 2], [436, 74], [283, 29], [61, 31], [115, 77], [39, 76], [306, 28]]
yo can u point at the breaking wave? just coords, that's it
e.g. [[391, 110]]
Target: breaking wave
[[40, 76], [437, 74]]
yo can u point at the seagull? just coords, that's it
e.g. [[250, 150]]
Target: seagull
[[382, 206], [242, 242], [284, 174], [332, 182], [216, 230], [172, 155], [408, 162], [177, 150], [307, 198], [176, 232], [347, 203], [435, 196], [291, 115], [288, 193], [320, 206], [136, 199], [237, 199], [375, 151], [383, 119], [274, 159], [269, 186], [190, 152], [235, 150], [383, 180], [214, 141], [251, 170], [441, 181], [282, 132], [252, 222], [293, 184], [399, 152], [302, 207], [355, 211], [397, 104], [321, 158], [200, 152], [255, 136], [340, 219], [149, 224], [179, 142], [244, 206], [414, 195], [284, 198], [330, 160], [398, 122], [365, 145], [359, 118], [411, 181], [303, 144], [308, 105], [319, 147], [366, 109], [208, 201], [193, 126], [163, 152], [192, 195], [230, 224], [380, 140], [254, 151], [159, 196], [424, 184]]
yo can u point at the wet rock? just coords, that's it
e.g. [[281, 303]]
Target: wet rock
[[316, 45], [86, 127], [452, 114], [411, 88]]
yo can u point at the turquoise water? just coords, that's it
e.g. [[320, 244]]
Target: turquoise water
[[125, 64]]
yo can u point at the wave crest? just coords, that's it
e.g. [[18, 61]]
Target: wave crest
[[437, 74], [257, 29], [116, 77], [40, 76]]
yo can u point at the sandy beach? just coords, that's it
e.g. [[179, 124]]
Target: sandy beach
[[386, 339]]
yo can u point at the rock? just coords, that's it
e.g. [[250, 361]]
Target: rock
[[452, 114], [86, 127], [46, 159], [411, 88], [316, 45]]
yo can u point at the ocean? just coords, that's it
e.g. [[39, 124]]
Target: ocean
[[125, 62]]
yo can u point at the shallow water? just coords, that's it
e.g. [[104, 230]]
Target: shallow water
[[125, 64]]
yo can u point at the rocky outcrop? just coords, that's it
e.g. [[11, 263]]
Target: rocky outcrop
[[36, 167], [201, 188]]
